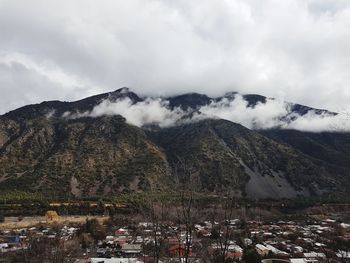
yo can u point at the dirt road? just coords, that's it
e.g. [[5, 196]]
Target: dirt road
[[13, 223]]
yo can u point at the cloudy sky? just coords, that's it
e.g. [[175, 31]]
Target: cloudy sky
[[297, 50]]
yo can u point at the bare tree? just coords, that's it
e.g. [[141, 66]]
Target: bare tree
[[228, 204], [154, 209], [187, 181]]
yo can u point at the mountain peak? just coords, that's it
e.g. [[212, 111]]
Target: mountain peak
[[189, 100], [122, 90]]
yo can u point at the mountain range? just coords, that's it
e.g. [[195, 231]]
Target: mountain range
[[66, 149]]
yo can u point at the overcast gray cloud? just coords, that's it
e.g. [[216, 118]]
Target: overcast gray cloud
[[297, 50]]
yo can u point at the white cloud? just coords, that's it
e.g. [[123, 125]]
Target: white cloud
[[152, 111], [314, 122], [272, 114], [263, 115], [294, 49]]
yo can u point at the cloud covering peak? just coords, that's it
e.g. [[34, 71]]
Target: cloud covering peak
[[269, 114]]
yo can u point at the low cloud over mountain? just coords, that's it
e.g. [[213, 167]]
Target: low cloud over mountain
[[266, 114]]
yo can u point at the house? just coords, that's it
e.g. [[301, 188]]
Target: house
[[178, 250], [344, 225], [171, 241], [235, 252], [247, 242], [131, 250], [115, 260], [121, 232], [120, 240], [346, 235], [3, 247], [145, 224], [109, 238], [297, 249], [298, 260], [233, 222], [313, 255], [139, 240], [261, 250], [276, 251], [268, 234], [303, 260], [343, 254], [203, 233], [234, 255], [232, 251]]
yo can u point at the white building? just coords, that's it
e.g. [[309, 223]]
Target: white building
[[261, 249]]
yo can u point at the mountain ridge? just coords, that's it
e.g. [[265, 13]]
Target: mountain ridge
[[185, 101], [42, 151]]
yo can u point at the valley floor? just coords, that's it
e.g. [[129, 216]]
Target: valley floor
[[141, 238]]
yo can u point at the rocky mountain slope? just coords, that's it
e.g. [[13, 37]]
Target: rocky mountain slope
[[227, 154], [41, 150], [86, 156]]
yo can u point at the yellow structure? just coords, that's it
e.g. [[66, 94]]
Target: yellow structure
[[51, 214]]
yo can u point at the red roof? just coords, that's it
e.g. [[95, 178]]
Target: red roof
[[179, 250], [234, 254]]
